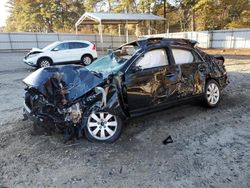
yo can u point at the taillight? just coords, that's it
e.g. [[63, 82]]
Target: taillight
[[94, 47]]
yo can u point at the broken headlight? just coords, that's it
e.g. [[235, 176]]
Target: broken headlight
[[74, 113]]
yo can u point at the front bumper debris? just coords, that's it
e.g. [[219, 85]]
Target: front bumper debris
[[29, 63]]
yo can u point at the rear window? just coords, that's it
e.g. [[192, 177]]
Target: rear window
[[182, 56], [75, 45], [62, 46]]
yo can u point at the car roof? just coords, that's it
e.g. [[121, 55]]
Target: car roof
[[145, 43], [81, 41], [178, 41]]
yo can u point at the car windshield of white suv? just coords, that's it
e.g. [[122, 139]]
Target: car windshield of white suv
[[50, 46]]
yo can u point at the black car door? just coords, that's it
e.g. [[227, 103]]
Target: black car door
[[192, 71], [150, 81]]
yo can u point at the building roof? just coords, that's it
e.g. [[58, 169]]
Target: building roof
[[115, 18]]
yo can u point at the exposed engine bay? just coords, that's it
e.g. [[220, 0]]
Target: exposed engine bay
[[65, 96]]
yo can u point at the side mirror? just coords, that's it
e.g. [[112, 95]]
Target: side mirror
[[137, 69], [55, 50]]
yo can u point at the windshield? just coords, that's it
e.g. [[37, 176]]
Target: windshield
[[107, 64], [113, 62], [50, 46]]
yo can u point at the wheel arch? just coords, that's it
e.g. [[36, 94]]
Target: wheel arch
[[87, 54], [44, 57], [217, 79]]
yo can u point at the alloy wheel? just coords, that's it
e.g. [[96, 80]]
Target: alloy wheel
[[44, 63], [87, 60], [213, 93], [102, 125]]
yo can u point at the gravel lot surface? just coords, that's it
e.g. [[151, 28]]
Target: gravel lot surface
[[211, 147]]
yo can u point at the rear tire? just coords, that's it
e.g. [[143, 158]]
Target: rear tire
[[86, 60], [103, 127], [44, 62], [212, 94]]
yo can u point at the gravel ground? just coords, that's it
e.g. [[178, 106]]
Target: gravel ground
[[211, 147]]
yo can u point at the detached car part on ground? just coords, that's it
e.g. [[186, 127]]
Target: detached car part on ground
[[64, 52], [137, 78]]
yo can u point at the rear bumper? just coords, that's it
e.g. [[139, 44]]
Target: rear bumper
[[223, 80]]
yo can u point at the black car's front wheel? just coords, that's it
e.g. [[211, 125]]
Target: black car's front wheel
[[212, 93], [103, 127]]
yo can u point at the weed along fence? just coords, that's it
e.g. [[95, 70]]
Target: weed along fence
[[26, 41], [239, 38]]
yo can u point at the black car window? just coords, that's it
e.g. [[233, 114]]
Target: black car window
[[197, 57], [182, 56], [76, 45], [154, 58], [62, 46]]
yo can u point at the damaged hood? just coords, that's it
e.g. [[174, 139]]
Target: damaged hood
[[67, 82], [36, 50]]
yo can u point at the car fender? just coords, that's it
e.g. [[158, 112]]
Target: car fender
[[87, 54], [44, 57]]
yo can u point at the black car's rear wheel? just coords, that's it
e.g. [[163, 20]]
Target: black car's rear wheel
[[103, 127], [212, 93]]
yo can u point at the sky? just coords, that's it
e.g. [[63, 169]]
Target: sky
[[3, 12]]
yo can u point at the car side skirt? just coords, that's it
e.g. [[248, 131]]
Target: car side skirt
[[145, 111]]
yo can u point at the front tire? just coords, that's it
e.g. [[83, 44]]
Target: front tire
[[212, 94], [44, 62], [103, 127]]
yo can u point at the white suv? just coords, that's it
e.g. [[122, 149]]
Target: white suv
[[83, 52]]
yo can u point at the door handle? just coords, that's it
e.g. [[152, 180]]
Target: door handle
[[202, 69], [170, 75]]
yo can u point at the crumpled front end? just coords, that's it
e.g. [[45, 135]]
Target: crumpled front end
[[65, 96]]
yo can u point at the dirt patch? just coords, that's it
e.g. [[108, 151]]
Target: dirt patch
[[239, 53], [211, 147]]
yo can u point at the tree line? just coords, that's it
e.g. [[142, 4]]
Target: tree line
[[181, 15]]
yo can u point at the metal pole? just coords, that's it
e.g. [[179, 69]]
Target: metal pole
[[76, 30], [136, 30], [127, 31], [11, 45], [168, 27], [37, 45], [100, 32], [164, 10], [119, 30], [149, 30], [231, 39]]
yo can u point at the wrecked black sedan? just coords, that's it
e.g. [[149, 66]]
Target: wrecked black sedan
[[138, 78]]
